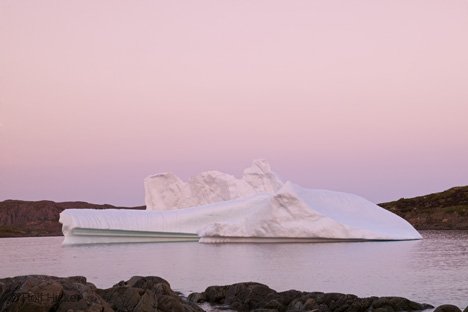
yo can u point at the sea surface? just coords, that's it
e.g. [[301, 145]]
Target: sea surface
[[433, 270]]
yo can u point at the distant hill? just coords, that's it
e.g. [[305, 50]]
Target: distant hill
[[446, 210], [38, 218]]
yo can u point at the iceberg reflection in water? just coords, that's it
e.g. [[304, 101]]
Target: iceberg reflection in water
[[259, 210]]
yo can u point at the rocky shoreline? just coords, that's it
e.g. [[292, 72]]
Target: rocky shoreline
[[151, 293]]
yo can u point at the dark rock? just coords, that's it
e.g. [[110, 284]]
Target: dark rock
[[126, 299], [169, 303], [241, 297], [159, 285], [251, 295], [398, 304], [145, 294], [287, 296], [360, 305], [448, 308], [215, 294], [258, 297], [47, 293], [275, 304], [197, 297], [466, 309]]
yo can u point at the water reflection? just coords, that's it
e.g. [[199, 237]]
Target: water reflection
[[432, 270]]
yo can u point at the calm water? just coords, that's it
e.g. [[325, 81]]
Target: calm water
[[433, 270]]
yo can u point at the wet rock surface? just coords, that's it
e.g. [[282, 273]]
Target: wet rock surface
[[47, 293], [37, 293], [258, 297], [448, 308]]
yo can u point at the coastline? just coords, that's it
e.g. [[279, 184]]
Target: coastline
[[152, 293], [447, 210]]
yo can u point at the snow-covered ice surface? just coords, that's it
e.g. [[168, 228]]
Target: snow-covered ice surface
[[296, 212], [218, 207]]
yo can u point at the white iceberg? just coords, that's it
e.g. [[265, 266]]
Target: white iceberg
[[217, 207]]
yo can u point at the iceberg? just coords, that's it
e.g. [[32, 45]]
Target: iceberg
[[215, 207]]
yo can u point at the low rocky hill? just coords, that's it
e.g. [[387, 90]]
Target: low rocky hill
[[446, 210], [38, 218]]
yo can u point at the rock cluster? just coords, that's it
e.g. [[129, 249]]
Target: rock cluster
[[449, 308], [260, 298], [40, 293]]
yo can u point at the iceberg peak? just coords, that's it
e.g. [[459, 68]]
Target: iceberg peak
[[165, 191], [260, 176]]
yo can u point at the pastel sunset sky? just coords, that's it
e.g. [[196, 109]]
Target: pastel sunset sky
[[362, 96]]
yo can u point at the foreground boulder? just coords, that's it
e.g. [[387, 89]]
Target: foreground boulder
[[146, 294], [47, 293], [258, 297], [38, 293], [448, 308]]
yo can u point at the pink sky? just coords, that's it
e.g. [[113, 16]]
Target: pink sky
[[362, 96]]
